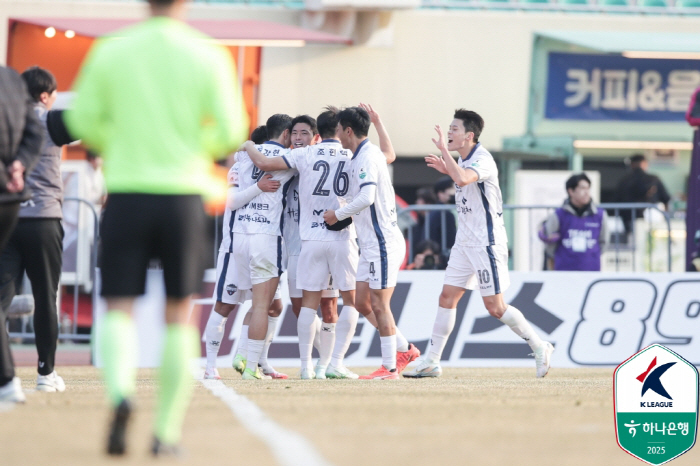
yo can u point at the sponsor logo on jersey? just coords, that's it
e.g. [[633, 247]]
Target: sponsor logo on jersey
[[363, 174], [319, 212]]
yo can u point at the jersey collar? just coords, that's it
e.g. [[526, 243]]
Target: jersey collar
[[359, 147], [274, 143], [473, 150], [330, 140]]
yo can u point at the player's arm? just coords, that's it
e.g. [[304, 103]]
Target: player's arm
[[235, 199], [364, 199], [266, 164], [447, 165], [384, 141]]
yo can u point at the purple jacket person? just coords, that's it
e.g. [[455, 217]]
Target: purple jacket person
[[576, 232]]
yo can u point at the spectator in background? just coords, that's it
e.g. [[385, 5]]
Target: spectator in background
[[428, 257], [424, 196], [36, 245], [96, 190], [576, 232], [639, 186], [445, 193], [21, 138]]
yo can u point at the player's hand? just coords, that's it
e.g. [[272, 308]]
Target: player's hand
[[329, 217], [245, 145], [268, 185], [16, 182], [373, 116], [440, 141], [438, 163]]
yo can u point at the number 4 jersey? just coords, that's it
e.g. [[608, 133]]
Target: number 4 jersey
[[265, 213], [323, 181]]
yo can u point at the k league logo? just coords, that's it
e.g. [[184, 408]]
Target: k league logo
[[656, 405]]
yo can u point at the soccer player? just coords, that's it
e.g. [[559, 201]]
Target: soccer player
[[381, 243], [227, 294], [129, 103], [479, 257], [322, 184], [258, 243], [304, 134]]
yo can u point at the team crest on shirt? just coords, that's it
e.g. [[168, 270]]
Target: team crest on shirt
[[231, 288], [363, 174]]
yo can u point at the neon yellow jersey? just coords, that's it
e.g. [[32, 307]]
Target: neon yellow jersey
[[159, 102]]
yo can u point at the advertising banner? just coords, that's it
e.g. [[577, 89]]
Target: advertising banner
[[612, 87], [591, 318]]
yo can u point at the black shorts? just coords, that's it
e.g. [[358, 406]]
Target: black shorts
[[139, 227]]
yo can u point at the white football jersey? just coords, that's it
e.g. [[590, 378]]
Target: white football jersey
[[291, 219], [323, 181], [229, 215], [264, 214], [479, 204], [377, 224]]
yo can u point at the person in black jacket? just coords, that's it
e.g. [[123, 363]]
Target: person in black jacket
[[21, 138], [639, 186]]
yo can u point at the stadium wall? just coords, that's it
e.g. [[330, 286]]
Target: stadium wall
[[415, 68], [592, 319]]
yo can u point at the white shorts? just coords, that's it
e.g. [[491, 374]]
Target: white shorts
[[380, 265], [259, 258], [294, 292], [318, 259], [227, 289], [484, 268]]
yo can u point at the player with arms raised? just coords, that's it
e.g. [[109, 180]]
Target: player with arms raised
[[479, 257], [373, 209]]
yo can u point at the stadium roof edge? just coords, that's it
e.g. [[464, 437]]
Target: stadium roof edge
[[229, 32], [619, 42]]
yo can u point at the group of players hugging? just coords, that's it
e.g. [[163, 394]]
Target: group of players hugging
[[314, 197]]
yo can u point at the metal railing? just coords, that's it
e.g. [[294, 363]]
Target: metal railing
[[73, 333], [614, 244]]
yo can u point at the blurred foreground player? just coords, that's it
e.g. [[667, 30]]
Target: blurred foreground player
[[159, 104], [479, 258]]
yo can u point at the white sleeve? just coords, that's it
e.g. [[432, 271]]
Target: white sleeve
[[236, 199], [484, 167], [364, 199]]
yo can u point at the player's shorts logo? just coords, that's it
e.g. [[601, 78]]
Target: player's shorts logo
[[231, 288]]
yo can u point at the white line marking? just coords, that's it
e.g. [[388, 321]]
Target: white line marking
[[290, 448]]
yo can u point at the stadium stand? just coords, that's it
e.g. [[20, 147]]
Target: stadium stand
[[661, 7]]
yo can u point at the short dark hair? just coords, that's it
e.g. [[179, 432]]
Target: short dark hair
[[356, 118], [309, 120], [636, 159], [427, 195], [574, 180], [259, 134], [276, 125], [427, 244], [328, 122], [38, 81], [161, 2], [472, 122], [443, 183]]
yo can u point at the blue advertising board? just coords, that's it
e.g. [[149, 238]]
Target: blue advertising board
[[613, 87]]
